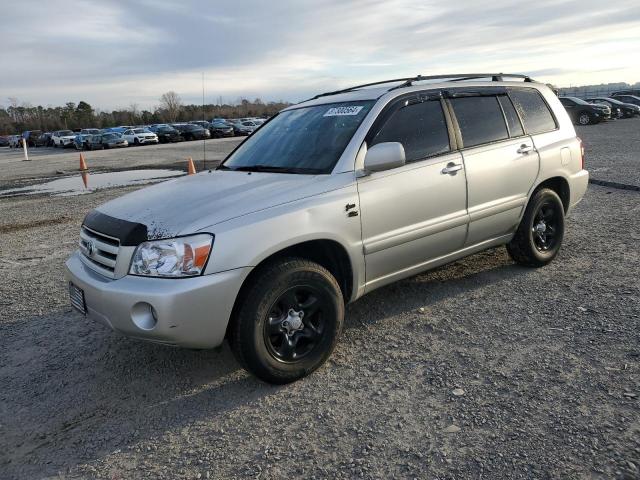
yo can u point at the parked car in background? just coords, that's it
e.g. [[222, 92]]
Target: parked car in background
[[113, 140], [632, 99], [581, 112], [63, 138], [44, 140], [30, 136], [626, 110], [4, 141], [166, 133], [15, 141], [635, 92], [93, 142], [221, 129], [203, 123], [245, 127], [218, 120], [90, 131], [140, 136], [189, 131]]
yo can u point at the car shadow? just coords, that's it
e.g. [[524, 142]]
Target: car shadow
[[72, 391]]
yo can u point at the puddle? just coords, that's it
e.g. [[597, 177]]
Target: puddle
[[74, 185]]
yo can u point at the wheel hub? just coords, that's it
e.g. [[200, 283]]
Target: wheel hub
[[293, 322], [540, 228]]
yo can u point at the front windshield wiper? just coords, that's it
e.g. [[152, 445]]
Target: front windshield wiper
[[276, 169]]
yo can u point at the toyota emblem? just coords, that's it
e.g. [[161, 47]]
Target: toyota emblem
[[90, 247]]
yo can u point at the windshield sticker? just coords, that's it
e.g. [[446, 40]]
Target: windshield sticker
[[342, 111]]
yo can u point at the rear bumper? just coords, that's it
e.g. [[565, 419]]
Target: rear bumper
[[190, 312], [578, 184]]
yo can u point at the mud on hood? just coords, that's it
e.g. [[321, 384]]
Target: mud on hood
[[176, 207]]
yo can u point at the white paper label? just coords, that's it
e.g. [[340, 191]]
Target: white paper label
[[342, 111]]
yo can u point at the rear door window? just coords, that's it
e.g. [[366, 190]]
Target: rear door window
[[533, 110], [480, 120], [420, 127], [513, 122]]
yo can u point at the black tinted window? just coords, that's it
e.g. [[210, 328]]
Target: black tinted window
[[420, 127], [480, 120], [515, 127], [533, 110]]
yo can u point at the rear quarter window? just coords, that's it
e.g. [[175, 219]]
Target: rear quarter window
[[533, 110]]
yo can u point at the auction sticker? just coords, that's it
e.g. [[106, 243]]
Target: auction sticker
[[342, 111]]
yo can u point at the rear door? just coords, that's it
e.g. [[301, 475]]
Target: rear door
[[417, 212], [500, 160]]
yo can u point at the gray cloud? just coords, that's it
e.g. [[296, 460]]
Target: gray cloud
[[116, 52]]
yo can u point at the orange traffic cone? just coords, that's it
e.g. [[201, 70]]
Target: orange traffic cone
[[85, 178], [83, 164], [191, 170]]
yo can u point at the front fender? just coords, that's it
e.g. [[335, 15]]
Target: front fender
[[249, 240]]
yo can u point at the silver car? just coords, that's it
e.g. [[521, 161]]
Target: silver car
[[329, 200]]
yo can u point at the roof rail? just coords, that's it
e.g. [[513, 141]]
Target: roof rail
[[408, 81]]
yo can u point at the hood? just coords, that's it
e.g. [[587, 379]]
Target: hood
[[196, 202]]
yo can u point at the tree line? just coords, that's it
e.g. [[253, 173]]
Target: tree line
[[18, 117]]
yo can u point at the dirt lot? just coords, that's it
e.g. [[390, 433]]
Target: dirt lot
[[481, 369]]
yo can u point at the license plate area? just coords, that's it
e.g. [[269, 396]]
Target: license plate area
[[76, 294]]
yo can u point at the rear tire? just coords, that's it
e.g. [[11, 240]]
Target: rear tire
[[289, 320], [541, 230]]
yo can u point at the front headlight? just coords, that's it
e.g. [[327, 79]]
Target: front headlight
[[173, 257]]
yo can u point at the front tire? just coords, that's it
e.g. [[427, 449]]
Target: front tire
[[584, 118], [540, 233], [289, 320]]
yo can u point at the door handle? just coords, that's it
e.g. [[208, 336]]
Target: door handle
[[525, 149], [451, 168]]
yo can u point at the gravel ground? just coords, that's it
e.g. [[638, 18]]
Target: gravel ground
[[613, 150], [481, 369]]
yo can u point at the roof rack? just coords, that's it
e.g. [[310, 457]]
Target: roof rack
[[407, 82]]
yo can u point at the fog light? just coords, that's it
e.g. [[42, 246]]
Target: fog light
[[144, 316]]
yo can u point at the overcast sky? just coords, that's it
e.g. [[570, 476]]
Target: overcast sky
[[114, 53]]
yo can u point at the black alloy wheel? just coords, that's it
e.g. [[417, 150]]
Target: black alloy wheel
[[294, 324], [545, 227]]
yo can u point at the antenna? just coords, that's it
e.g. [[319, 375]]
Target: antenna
[[204, 140]]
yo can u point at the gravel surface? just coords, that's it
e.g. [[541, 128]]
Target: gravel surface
[[481, 369], [612, 150]]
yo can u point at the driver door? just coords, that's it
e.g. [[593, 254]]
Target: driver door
[[417, 212]]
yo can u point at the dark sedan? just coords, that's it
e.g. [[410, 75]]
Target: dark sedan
[[166, 133], [632, 99], [221, 129], [583, 113], [113, 140], [190, 131], [626, 110]]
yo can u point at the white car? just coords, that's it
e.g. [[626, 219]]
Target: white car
[[63, 138], [139, 136]]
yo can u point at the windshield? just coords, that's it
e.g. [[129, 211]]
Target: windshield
[[141, 130], [303, 140], [65, 133], [577, 100]]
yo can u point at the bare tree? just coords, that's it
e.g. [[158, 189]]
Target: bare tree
[[171, 103]]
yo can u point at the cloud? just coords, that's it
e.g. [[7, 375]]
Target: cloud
[[112, 53]]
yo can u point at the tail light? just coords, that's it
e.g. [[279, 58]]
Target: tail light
[[581, 151]]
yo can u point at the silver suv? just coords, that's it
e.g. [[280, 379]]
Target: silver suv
[[329, 200]]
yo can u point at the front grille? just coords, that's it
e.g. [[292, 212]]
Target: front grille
[[100, 250]]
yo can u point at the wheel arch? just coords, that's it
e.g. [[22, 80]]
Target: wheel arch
[[331, 254], [558, 184]]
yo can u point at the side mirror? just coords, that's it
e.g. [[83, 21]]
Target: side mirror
[[384, 156]]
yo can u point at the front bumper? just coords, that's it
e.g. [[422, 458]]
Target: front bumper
[[189, 312]]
